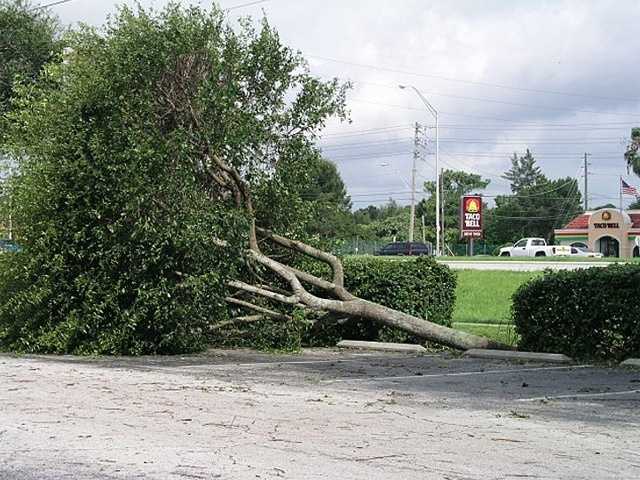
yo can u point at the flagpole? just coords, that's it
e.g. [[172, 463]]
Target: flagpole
[[620, 193]]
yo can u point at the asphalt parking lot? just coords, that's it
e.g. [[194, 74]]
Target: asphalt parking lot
[[323, 414]]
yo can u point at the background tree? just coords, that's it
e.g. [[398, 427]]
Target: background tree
[[28, 40], [331, 218], [120, 225], [455, 184], [606, 205], [141, 158], [385, 223], [524, 172], [631, 155], [534, 211]]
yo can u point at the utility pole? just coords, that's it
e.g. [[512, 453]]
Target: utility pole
[[433, 112], [416, 154], [586, 181], [444, 246]]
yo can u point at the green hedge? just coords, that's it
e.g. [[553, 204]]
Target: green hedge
[[592, 313], [420, 287]]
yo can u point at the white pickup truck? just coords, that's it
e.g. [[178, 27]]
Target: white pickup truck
[[534, 247]]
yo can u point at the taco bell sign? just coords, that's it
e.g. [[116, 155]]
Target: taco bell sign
[[471, 216]]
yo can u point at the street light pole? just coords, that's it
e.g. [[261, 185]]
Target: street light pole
[[416, 153], [434, 112]]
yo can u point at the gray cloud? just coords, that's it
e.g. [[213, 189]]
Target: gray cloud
[[586, 50]]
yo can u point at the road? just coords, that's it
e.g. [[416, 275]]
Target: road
[[319, 415], [520, 266]]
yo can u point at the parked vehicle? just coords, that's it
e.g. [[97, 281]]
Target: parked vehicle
[[534, 247], [406, 248], [9, 246], [585, 252]]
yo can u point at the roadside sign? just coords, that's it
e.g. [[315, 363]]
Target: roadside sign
[[471, 216]]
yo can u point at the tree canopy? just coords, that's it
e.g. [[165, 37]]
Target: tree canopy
[[534, 211], [330, 217], [524, 172], [632, 155], [28, 40], [455, 184], [127, 241]]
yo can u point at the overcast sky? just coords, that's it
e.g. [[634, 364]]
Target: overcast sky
[[559, 77]]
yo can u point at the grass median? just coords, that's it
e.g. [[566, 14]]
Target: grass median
[[483, 302]]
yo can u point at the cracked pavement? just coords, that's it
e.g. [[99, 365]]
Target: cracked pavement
[[322, 414]]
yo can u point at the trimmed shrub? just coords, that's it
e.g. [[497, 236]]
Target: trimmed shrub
[[592, 313], [417, 286]]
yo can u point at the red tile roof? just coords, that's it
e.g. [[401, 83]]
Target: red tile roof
[[579, 222], [582, 221]]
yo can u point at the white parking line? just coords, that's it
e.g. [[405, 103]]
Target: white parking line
[[456, 374], [577, 395], [222, 366]]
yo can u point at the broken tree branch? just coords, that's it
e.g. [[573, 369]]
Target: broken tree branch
[[257, 308]]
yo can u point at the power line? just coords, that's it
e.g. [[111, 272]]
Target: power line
[[368, 131], [248, 4], [462, 140], [491, 100], [493, 118], [47, 5], [527, 126], [339, 146], [469, 82]]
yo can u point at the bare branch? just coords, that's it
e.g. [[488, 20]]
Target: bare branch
[[376, 312], [257, 308], [331, 260], [291, 300], [236, 320]]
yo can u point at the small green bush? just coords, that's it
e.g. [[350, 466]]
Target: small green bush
[[592, 313], [420, 287], [267, 334]]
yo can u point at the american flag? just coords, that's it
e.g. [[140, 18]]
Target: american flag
[[628, 189]]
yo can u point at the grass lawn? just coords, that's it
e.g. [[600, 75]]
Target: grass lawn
[[490, 258], [504, 333], [483, 302]]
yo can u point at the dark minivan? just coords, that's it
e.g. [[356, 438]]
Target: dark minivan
[[406, 248]]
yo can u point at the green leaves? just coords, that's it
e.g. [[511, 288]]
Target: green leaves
[[591, 313], [113, 202], [28, 40], [417, 286], [631, 155]]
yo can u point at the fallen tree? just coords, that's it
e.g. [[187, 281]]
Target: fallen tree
[[180, 106], [339, 301], [162, 150]]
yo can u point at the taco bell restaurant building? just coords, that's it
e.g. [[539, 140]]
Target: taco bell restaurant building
[[612, 232]]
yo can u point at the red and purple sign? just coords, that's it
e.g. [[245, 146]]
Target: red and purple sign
[[471, 216]]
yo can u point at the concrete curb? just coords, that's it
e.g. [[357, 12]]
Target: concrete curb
[[382, 347], [631, 362], [522, 356]]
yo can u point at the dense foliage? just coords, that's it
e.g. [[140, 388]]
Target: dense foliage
[[632, 155], [28, 40], [524, 172], [537, 206], [592, 313], [418, 286], [119, 226], [454, 184]]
